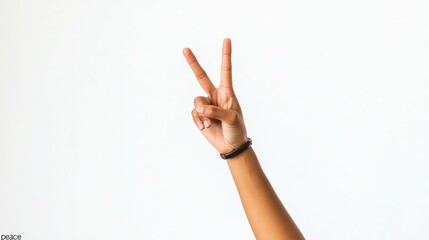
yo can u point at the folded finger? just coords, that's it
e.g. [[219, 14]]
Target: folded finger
[[199, 101], [225, 115], [197, 119]]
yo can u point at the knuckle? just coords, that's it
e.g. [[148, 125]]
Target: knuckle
[[199, 101], [226, 68], [209, 111], [202, 75], [194, 115], [235, 116]]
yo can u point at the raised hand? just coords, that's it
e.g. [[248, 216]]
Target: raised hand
[[219, 115]]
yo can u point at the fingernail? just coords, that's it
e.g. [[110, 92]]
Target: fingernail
[[206, 123], [199, 109], [200, 125]]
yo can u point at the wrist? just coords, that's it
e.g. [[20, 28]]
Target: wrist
[[239, 150]]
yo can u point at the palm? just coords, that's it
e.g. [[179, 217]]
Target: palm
[[222, 135]]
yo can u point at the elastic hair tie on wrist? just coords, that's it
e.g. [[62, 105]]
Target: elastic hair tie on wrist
[[237, 151]]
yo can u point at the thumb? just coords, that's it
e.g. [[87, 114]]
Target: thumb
[[222, 114]]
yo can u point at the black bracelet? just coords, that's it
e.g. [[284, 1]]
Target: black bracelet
[[237, 151]]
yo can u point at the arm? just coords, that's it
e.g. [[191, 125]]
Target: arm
[[266, 214], [220, 120]]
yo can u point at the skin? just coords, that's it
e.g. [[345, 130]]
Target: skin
[[220, 119]]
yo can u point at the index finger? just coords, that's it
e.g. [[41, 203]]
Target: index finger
[[199, 72]]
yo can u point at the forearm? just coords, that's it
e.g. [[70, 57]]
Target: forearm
[[266, 214]]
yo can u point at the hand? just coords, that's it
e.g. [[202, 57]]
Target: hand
[[220, 111]]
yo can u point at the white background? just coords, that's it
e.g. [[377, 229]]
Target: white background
[[97, 139]]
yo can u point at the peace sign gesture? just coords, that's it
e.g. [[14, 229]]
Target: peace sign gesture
[[220, 111]]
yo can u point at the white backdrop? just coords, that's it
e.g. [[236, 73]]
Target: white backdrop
[[97, 139]]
